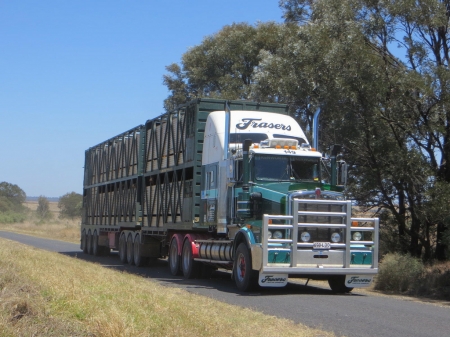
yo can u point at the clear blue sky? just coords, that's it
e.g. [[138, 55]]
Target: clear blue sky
[[75, 73]]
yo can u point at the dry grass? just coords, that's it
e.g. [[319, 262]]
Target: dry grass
[[65, 230], [55, 228], [48, 294]]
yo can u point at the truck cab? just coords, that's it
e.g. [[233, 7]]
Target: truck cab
[[273, 196]]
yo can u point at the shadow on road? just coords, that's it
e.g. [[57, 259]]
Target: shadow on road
[[220, 280]]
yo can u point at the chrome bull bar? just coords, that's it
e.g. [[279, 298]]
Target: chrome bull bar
[[301, 253]]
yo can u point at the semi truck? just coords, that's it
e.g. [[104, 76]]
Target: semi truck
[[234, 185]]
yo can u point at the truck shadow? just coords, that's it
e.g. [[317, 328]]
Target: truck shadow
[[220, 280]]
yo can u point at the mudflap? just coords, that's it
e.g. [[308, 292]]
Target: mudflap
[[358, 281], [272, 280]]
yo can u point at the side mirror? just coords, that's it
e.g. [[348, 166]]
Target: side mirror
[[342, 173]]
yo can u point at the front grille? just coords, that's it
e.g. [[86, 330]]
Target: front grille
[[321, 208]]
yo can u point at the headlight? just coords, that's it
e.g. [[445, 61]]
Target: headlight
[[277, 235], [269, 235], [357, 236], [335, 237], [305, 236]]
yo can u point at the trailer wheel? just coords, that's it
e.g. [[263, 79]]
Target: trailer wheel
[[89, 243], [174, 258], [337, 284], [244, 276], [191, 268], [83, 245], [95, 248], [123, 248], [139, 260], [130, 249]]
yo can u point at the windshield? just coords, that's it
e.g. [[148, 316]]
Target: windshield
[[284, 168]]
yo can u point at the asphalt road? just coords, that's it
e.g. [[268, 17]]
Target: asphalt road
[[352, 315]]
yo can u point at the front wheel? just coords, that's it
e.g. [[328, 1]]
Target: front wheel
[[337, 284], [244, 276]]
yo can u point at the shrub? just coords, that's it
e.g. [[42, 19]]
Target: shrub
[[43, 209], [435, 282], [398, 273], [70, 205], [12, 217]]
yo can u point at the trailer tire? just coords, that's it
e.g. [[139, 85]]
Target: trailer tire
[[244, 276], [174, 258], [190, 267], [139, 260], [337, 284], [130, 249], [83, 245], [89, 243], [123, 248], [95, 248]]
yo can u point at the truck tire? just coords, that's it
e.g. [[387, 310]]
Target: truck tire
[[139, 260], [337, 284], [130, 249], [174, 258], [123, 248], [89, 243], [95, 248], [244, 276], [191, 268]]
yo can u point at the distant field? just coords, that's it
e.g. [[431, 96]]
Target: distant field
[[56, 228], [34, 204]]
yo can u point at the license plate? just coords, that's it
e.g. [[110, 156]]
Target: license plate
[[321, 245]]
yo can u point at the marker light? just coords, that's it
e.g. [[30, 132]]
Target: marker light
[[281, 142]]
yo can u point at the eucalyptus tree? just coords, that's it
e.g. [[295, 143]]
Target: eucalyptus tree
[[388, 110], [223, 64], [396, 107]]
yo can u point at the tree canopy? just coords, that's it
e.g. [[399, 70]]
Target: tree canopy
[[43, 209], [389, 109], [11, 199], [70, 205]]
